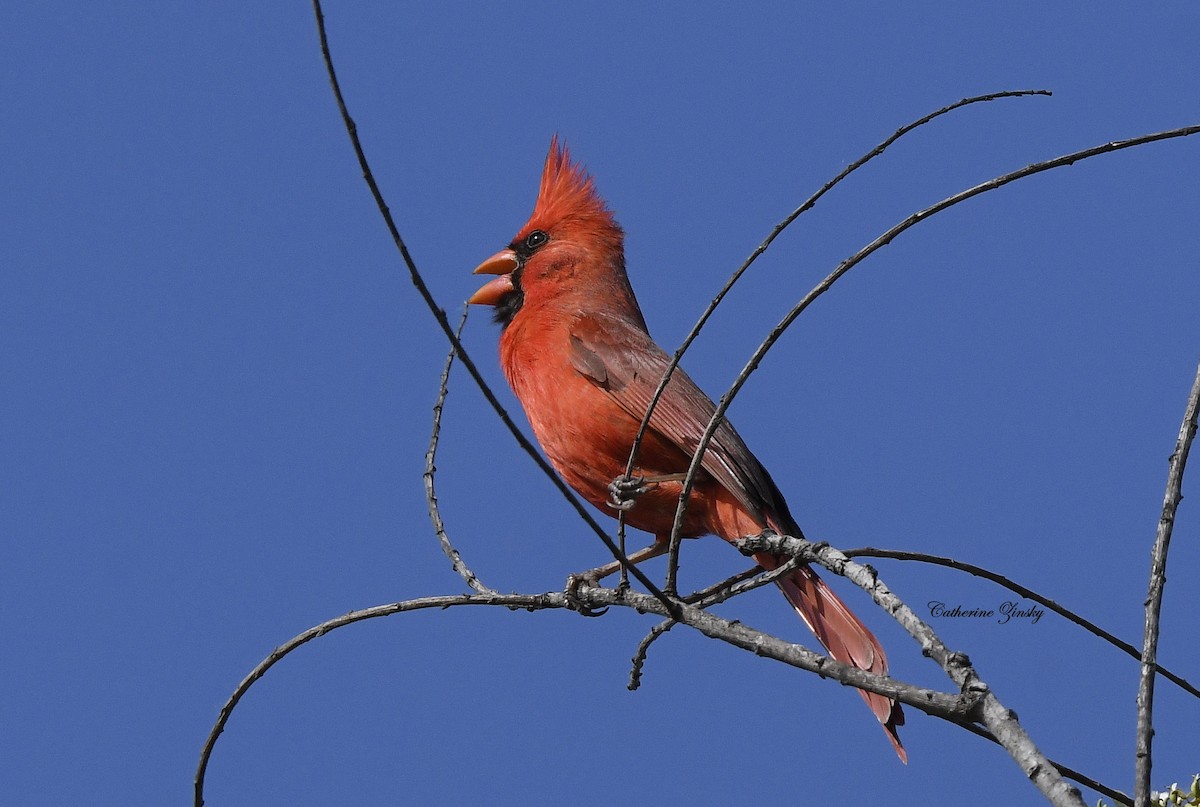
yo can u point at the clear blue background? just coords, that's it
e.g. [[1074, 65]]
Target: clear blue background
[[218, 381]]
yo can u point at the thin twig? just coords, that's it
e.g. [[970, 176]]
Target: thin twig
[[988, 710], [439, 314], [713, 595], [702, 595], [639, 658], [739, 587], [435, 513], [1028, 593], [881, 241], [1158, 579], [673, 564]]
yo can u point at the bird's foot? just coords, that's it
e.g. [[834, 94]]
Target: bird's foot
[[624, 490], [572, 593]]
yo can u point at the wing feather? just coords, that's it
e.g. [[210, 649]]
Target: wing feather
[[626, 363]]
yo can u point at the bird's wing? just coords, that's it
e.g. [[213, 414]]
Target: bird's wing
[[625, 362]]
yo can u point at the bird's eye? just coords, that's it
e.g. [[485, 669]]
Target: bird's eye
[[535, 239]]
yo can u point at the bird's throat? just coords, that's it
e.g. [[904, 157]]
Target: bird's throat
[[508, 305]]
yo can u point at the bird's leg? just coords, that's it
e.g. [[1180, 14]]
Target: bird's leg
[[592, 577], [624, 490]]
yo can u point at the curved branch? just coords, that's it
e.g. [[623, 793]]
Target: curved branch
[[1158, 579], [808, 204], [440, 316], [527, 601], [1028, 593], [881, 241]]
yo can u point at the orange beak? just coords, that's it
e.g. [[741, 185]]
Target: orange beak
[[503, 263]]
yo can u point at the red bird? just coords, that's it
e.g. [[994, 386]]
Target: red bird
[[576, 351]]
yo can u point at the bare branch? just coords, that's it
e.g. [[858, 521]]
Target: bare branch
[[639, 658], [673, 564], [1028, 593], [999, 720], [439, 314], [961, 709], [940, 704], [881, 241], [1158, 579], [435, 513]]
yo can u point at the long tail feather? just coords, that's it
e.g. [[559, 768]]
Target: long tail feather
[[845, 637]]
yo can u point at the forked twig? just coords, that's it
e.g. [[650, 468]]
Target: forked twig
[[1158, 579]]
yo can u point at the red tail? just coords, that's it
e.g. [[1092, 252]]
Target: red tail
[[845, 637]]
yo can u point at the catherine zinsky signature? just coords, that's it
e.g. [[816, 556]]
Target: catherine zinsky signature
[[1007, 612]]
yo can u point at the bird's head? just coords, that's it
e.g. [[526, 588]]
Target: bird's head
[[571, 246]]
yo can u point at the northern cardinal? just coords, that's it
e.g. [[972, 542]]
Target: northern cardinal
[[576, 351]]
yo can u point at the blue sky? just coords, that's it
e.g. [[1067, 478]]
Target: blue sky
[[219, 381]]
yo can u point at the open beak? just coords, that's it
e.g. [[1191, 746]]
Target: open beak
[[503, 263]]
